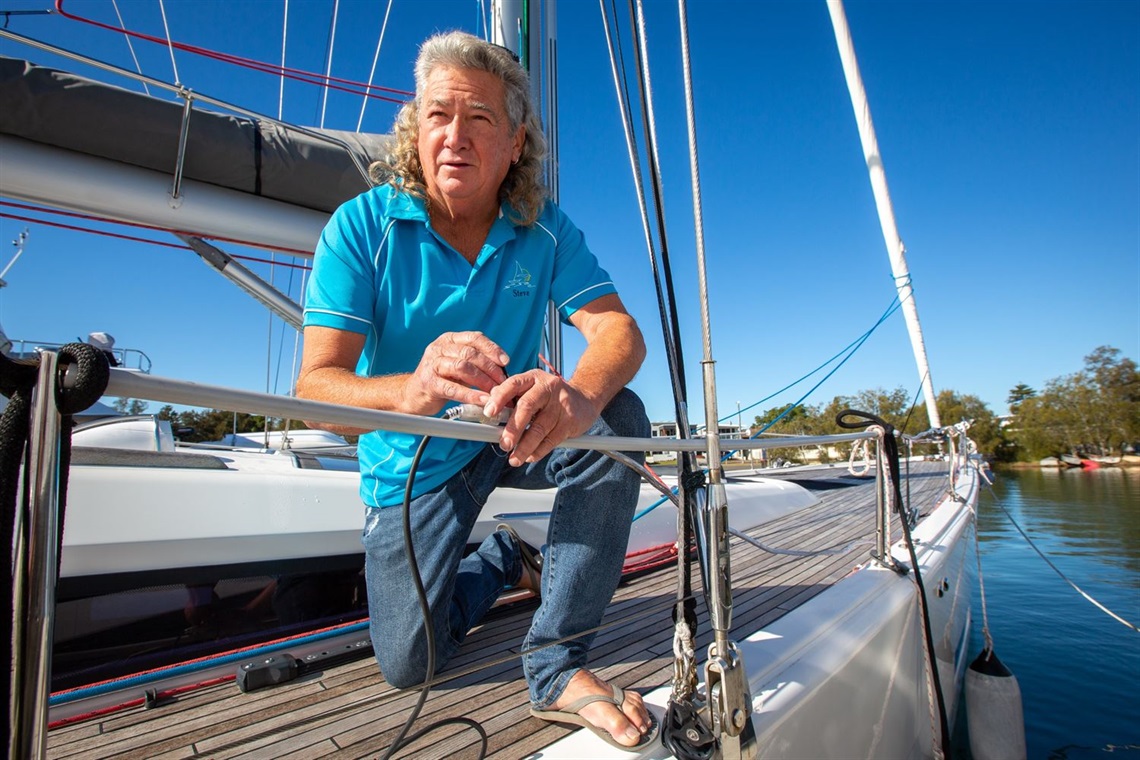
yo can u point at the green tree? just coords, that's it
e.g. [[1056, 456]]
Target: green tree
[[789, 424], [1017, 394], [1093, 411], [130, 406], [985, 429]]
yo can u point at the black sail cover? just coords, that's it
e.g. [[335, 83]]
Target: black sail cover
[[56, 108]]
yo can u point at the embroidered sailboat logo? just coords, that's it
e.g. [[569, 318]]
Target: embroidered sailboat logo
[[520, 283]]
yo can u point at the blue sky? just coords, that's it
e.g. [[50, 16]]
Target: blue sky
[[1010, 133]]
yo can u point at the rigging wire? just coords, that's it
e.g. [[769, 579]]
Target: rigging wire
[[849, 349], [649, 130], [617, 67], [301, 75], [281, 338], [375, 59], [1049, 562], [281, 86], [328, 60], [169, 43], [130, 47]]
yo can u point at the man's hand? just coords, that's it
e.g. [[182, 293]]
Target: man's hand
[[547, 411], [461, 367], [456, 366]]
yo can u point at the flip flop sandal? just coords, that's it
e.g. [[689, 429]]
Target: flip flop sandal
[[569, 715], [531, 560]]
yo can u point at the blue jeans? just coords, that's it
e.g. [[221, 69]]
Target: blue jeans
[[585, 549]]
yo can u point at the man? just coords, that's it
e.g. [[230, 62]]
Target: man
[[430, 290]]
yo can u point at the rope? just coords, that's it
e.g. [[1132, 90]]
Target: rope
[[861, 446], [851, 349], [794, 552], [890, 451]]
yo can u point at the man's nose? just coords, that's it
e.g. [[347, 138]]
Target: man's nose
[[456, 135]]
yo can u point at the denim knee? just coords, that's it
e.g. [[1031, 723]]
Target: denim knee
[[401, 672], [625, 415]]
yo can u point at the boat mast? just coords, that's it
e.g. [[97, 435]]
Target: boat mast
[[895, 248], [523, 28]]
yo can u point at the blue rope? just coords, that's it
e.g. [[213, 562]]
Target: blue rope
[[850, 350]]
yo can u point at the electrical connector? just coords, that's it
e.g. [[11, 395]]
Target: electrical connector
[[474, 413]]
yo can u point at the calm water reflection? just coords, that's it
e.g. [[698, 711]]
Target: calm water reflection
[[1078, 668]]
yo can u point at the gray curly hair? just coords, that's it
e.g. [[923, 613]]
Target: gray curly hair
[[523, 187]]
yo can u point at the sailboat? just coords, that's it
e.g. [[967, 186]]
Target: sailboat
[[835, 651]]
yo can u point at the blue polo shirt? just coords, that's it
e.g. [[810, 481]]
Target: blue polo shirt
[[380, 270]]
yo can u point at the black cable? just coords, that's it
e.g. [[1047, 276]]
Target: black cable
[[891, 452], [429, 631]]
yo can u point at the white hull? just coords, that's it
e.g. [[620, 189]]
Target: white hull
[[843, 675], [264, 508]]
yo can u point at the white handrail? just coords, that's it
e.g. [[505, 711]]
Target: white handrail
[[126, 384]]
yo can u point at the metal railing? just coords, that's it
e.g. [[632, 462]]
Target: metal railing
[[126, 358], [36, 553]]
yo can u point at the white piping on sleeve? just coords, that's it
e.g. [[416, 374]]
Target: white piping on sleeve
[[339, 314], [585, 290]]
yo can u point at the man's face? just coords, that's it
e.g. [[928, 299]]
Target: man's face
[[466, 145]]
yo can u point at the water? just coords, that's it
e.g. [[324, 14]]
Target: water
[[1079, 670]]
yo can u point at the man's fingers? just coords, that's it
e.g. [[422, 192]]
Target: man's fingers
[[472, 367], [482, 344]]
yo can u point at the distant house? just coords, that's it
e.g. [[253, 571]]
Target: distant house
[[726, 430]]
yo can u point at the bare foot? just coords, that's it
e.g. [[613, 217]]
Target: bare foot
[[626, 725]]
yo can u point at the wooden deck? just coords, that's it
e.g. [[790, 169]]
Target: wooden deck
[[350, 712]]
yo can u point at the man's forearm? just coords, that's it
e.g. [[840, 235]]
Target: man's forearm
[[342, 386], [611, 359]]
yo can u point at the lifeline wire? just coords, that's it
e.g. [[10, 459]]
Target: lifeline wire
[[1056, 569]]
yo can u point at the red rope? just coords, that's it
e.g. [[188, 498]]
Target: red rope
[[309, 77], [132, 238]]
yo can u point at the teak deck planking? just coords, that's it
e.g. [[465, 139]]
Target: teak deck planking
[[350, 712]]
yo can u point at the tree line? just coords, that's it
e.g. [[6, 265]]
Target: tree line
[[1095, 410]]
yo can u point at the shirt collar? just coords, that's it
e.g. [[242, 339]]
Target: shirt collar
[[403, 205]]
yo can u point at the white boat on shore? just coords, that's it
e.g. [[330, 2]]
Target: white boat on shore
[[840, 653]]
